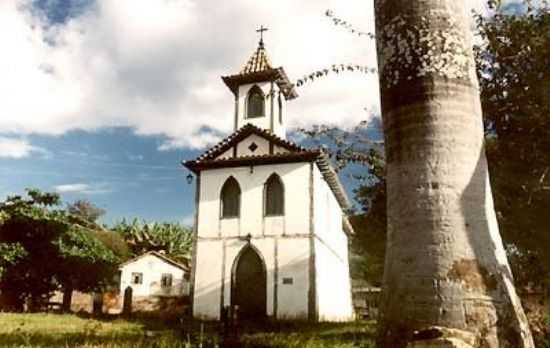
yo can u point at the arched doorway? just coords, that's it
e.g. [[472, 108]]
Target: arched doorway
[[249, 284]]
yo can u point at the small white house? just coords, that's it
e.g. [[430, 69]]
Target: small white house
[[271, 228], [154, 274]]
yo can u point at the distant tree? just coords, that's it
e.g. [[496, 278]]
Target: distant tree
[[173, 239], [49, 250], [86, 210], [513, 67]]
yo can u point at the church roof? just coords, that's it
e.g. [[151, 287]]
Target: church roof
[[258, 68], [242, 133], [160, 256], [297, 153]]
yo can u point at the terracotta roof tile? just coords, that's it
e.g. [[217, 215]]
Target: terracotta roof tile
[[259, 61], [242, 133], [161, 256], [259, 68]]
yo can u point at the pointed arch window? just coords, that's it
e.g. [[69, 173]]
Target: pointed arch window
[[274, 196], [230, 199], [255, 103]]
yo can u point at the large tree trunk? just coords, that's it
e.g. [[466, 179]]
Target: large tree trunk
[[446, 274], [67, 298]]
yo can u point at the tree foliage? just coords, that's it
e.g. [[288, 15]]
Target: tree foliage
[[47, 249], [514, 78], [173, 239], [512, 65]]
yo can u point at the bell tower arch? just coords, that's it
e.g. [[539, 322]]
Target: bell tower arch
[[261, 92]]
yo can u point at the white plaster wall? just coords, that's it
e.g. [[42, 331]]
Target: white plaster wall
[[279, 149], [152, 269], [293, 259], [287, 237], [243, 148], [295, 178], [333, 284], [207, 291], [215, 267], [226, 154], [331, 255], [328, 216], [262, 122], [262, 143]]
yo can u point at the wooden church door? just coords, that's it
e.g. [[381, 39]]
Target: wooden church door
[[249, 285]]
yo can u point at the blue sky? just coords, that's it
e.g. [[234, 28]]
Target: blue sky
[[102, 99], [117, 170], [106, 98]]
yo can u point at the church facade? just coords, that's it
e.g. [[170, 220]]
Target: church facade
[[271, 230]]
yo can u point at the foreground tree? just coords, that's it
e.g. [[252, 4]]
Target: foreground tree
[[446, 272], [45, 249]]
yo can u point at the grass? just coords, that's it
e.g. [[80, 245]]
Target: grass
[[51, 330]]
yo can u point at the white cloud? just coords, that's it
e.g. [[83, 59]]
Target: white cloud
[[18, 148], [69, 188], [91, 189], [155, 65]]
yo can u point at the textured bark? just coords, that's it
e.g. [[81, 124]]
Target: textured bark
[[445, 263]]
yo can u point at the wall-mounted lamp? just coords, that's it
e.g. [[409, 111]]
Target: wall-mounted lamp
[[189, 178]]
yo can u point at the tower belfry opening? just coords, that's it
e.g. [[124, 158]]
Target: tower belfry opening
[[261, 92]]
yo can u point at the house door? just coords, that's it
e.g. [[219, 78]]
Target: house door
[[249, 285]]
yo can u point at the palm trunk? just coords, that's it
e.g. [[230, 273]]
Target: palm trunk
[[446, 272]]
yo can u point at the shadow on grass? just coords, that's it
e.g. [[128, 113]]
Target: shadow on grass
[[150, 331]]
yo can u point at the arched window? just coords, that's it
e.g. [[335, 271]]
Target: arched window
[[255, 104], [230, 198], [274, 196]]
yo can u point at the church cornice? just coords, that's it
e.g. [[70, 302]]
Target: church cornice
[[240, 134], [243, 161], [276, 75]]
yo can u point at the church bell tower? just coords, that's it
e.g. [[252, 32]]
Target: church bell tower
[[261, 93]]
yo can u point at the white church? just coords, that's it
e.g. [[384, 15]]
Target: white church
[[271, 230]]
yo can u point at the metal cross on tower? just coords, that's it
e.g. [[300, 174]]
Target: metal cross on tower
[[261, 31]]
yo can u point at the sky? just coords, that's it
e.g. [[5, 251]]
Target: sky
[[103, 99]]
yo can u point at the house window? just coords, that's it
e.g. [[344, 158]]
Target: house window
[[166, 280], [255, 105], [230, 199], [137, 278], [274, 196]]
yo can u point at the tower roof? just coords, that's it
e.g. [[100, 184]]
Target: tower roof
[[257, 69], [259, 61]]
